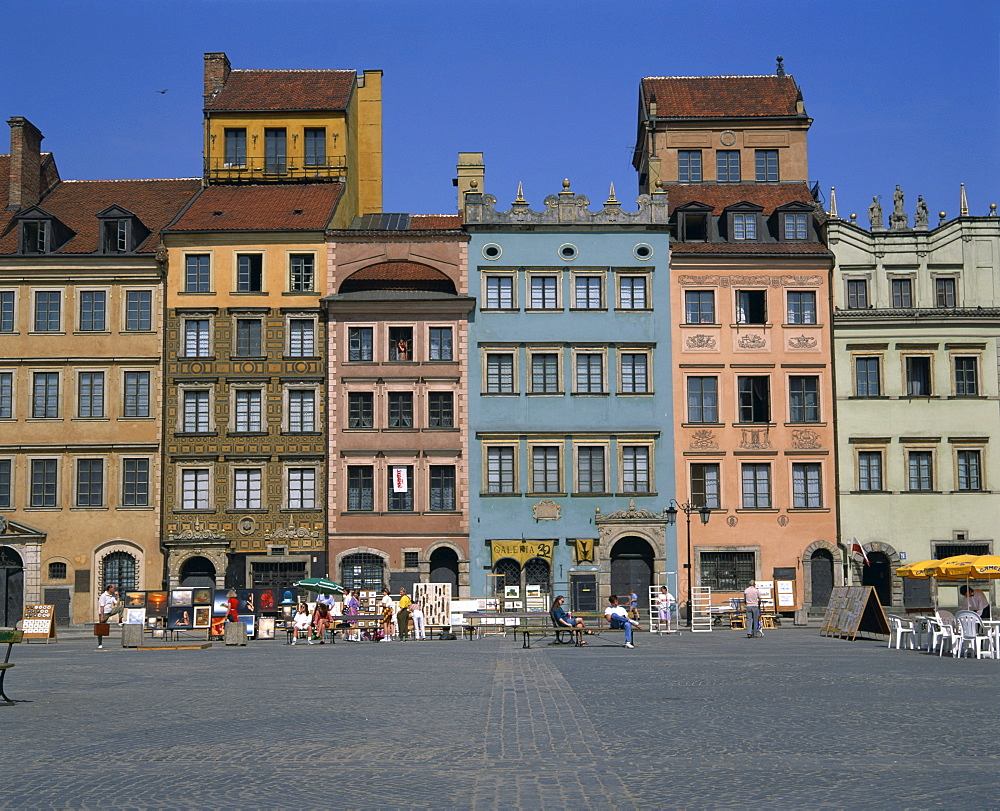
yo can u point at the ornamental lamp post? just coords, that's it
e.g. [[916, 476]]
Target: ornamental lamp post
[[704, 513]]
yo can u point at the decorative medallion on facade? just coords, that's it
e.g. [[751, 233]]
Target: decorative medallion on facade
[[782, 520], [802, 342], [804, 439], [756, 439], [732, 520], [546, 510], [704, 440], [700, 341], [246, 525], [752, 342]]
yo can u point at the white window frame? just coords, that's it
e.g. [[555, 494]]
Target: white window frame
[[647, 280], [515, 464], [151, 393], [548, 273], [287, 489], [12, 371], [647, 353], [153, 313], [149, 505], [515, 354], [29, 482], [105, 379], [624, 443], [15, 309], [315, 272], [286, 397], [182, 470], [234, 389], [78, 296], [559, 448], [602, 284], [605, 446], [512, 276], [105, 472], [63, 295], [602, 351], [192, 386], [210, 349], [259, 494]]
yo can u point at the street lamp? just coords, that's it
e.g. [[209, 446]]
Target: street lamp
[[704, 513]]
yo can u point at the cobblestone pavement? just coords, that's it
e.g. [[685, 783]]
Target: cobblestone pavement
[[695, 721]]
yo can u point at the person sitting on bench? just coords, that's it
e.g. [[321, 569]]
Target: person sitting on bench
[[562, 619], [618, 618]]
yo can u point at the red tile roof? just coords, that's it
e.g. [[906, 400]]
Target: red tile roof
[[76, 203], [435, 222], [722, 195], [748, 247], [247, 90], [397, 275], [279, 207], [721, 96]]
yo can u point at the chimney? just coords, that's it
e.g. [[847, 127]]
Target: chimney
[[471, 177], [216, 73], [25, 164]]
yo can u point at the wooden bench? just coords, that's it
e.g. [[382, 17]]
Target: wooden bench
[[11, 638], [551, 629]]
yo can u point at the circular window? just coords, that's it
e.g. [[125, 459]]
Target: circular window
[[492, 251], [568, 251], [642, 251]]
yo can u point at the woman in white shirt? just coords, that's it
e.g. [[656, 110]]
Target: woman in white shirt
[[419, 626], [301, 623], [663, 603]]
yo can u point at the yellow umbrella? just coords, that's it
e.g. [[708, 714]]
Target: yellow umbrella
[[986, 566], [925, 568], [957, 567]]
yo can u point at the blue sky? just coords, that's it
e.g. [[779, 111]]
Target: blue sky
[[900, 92]]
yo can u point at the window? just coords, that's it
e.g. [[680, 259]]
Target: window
[[90, 483], [301, 488], [590, 470], [401, 488], [693, 226], [545, 470], [587, 292], [135, 482], [902, 290], [6, 489], [249, 272], [699, 307], [246, 488], [500, 470], [745, 226], [726, 571], [544, 372], [301, 410], [802, 307], [920, 473], [703, 399], [136, 396], [44, 482], [969, 467], [236, 148], [360, 409], [35, 236], [248, 343], [115, 235], [119, 568], [90, 395], [499, 292], [544, 292], [440, 343], [589, 373], [301, 337], [315, 146], [766, 165], [411, 560], [6, 310], [48, 306], [6, 395], [57, 571], [248, 411], [635, 469], [727, 166], [751, 306], [870, 470], [857, 294], [440, 409], [806, 490], [197, 273], [194, 489], [400, 409], [796, 226], [803, 398], [689, 166], [196, 412], [93, 310], [359, 344], [197, 333], [301, 269], [442, 487], [754, 399], [138, 310], [274, 150], [634, 373], [866, 377], [360, 488], [45, 395], [400, 343], [966, 376], [756, 486], [944, 290], [918, 376], [705, 485], [632, 292], [499, 373]]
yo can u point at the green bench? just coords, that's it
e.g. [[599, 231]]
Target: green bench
[[11, 638]]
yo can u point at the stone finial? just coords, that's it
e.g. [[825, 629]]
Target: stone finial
[[473, 184], [520, 201], [833, 201], [612, 200], [963, 204], [565, 187], [854, 218], [993, 209], [942, 216], [780, 71]]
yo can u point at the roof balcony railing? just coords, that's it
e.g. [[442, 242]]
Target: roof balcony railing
[[276, 170]]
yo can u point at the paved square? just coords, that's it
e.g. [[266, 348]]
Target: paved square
[[709, 720]]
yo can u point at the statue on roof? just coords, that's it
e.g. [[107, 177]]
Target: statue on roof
[[921, 218], [875, 215], [898, 220]]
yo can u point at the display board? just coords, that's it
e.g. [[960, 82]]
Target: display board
[[435, 598], [785, 590], [39, 622], [854, 610]]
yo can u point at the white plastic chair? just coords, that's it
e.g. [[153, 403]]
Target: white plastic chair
[[941, 634], [971, 633], [901, 628]]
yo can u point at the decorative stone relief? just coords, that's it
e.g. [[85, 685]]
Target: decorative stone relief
[[700, 341], [782, 520], [752, 342], [704, 440], [246, 525], [732, 520], [802, 342], [806, 439], [746, 280], [292, 531], [197, 533], [546, 510], [756, 439]]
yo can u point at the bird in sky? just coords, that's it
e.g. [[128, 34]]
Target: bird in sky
[[161, 91]]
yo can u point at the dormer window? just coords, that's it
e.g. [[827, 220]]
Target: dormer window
[[795, 226], [116, 236], [40, 232], [745, 226], [742, 222], [795, 222], [693, 220], [121, 230], [35, 236]]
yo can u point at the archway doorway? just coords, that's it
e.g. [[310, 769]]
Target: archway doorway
[[444, 568], [11, 586], [878, 574], [632, 569], [821, 573], [197, 572]]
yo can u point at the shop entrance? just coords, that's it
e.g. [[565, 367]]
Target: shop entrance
[[583, 592], [821, 570], [197, 572], [444, 568], [879, 575], [632, 569], [11, 587]]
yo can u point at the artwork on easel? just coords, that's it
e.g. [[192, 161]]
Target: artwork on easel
[[248, 620], [511, 592], [179, 617], [202, 616], [135, 616], [156, 604], [218, 626], [265, 628], [180, 597], [135, 599], [201, 596], [435, 599]]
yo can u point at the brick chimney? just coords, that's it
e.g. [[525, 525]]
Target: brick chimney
[[25, 164], [216, 73]]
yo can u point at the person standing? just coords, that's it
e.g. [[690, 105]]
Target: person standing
[[752, 598], [633, 605], [419, 626], [663, 603], [618, 617], [388, 607], [403, 615], [232, 606], [975, 600], [109, 605]]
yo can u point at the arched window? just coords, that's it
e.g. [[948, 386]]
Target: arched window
[[536, 572], [362, 571], [119, 568], [511, 574]]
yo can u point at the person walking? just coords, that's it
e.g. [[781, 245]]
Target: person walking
[[633, 605], [618, 617], [109, 605], [752, 598], [663, 603], [403, 615]]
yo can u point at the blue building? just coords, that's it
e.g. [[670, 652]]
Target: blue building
[[570, 406]]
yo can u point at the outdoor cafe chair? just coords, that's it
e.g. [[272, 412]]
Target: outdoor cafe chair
[[901, 628], [971, 633], [941, 633]]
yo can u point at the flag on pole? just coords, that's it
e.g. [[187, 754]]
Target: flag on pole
[[859, 549]]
